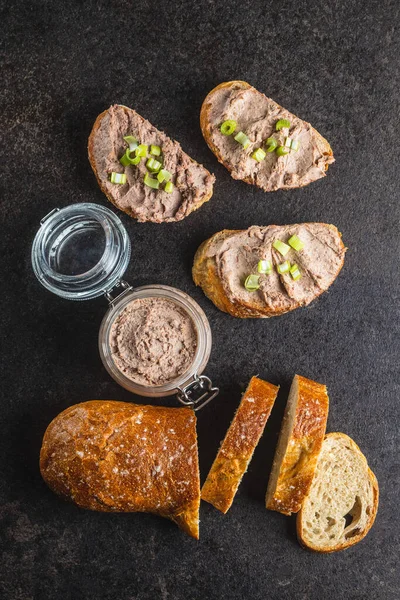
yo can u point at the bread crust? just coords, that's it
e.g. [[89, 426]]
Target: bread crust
[[357, 538], [239, 444], [206, 128], [205, 274], [120, 457], [103, 188], [304, 445]]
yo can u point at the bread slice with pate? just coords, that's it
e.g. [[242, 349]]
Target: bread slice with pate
[[342, 502], [299, 445], [239, 444], [223, 263], [185, 189], [265, 125]]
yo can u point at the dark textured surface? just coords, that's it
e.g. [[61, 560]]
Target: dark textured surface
[[335, 64]]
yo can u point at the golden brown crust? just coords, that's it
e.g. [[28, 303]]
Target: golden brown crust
[[122, 457], [300, 460], [206, 128], [356, 538], [239, 444], [103, 188], [205, 274]]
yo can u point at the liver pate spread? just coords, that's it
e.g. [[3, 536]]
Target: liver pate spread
[[256, 115], [319, 263], [153, 341], [192, 182]]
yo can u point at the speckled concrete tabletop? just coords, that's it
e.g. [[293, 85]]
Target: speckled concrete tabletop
[[335, 64]]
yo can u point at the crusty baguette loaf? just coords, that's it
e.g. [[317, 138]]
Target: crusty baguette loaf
[[222, 263], [256, 115], [239, 444], [193, 183], [299, 444], [342, 502], [122, 457]]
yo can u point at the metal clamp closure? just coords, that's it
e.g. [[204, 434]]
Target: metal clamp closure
[[120, 284], [197, 393]]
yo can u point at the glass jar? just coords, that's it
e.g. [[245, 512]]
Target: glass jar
[[81, 252]]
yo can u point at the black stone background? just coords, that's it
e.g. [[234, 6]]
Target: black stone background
[[333, 63]]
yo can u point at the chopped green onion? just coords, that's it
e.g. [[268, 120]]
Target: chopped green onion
[[251, 284], [164, 175], [118, 178], [228, 127], [283, 267], [153, 165], [259, 155], [295, 145], [282, 150], [141, 150], [264, 266], [242, 139], [296, 243], [281, 247], [295, 273], [169, 187], [124, 160], [271, 144], [288, 142], [149, 181], [155, 150], [282, 123], [129, 139]]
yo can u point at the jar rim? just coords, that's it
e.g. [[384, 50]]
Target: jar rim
[[201, 324]]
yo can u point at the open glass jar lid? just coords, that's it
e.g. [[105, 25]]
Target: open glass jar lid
[[154, 340]]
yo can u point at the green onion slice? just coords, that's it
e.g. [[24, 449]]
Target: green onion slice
[[164, 175], [155, 150], [259, 155], [149, 181], [271, 144], [295, 145], [281, 247], [251, 284], [153, 165], [282, 150], [283, 267], [264, 266], [118, 178], [296, 243], [288, 142], [136, 160], [282, 123], [124, 160], [141, 150], [242, 139], [169, 187], [127, 159], [132, 141], [228, 127], [295, 273]]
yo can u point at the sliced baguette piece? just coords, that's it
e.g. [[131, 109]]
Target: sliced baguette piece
[[122, 457], [256, 115], [342, 503], [239, 444], [223, 262], [299, 445], [193, 184]]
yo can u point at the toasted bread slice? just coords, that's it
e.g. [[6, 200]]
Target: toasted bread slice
[[193, 184], [342, 502], [299, 445], [223, 262], [122, 457], [256, 116], [239, 444]]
